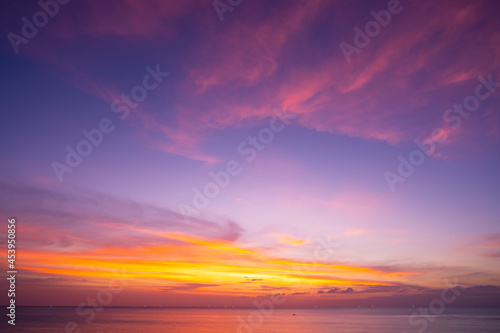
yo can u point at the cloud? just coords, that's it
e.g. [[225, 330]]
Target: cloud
[[189, 286], [487, 246], [390, 289], [85, 234], [471, 296], [347, 291], [278, 294], [486, 289], [289, 240], [357, 232], [337, 291], [76, 218], [285, 56]]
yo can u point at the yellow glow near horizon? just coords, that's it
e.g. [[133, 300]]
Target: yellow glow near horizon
[[197, 260]]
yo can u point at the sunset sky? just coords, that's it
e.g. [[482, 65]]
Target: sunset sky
[[241, 152]]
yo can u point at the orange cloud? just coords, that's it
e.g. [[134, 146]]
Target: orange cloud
[[289, 240], [199, 260], [251, 66]]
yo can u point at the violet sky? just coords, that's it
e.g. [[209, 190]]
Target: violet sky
[[329, 175]]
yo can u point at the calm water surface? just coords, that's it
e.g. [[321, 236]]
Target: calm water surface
[[339, 320]]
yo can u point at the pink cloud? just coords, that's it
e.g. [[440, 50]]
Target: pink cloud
[[483, 246], [236, 74]]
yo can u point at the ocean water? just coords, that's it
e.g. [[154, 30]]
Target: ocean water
[[245, 320]]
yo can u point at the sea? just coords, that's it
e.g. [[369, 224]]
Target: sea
[[246, 320]]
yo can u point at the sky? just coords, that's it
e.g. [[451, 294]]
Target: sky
[[214, 153]]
